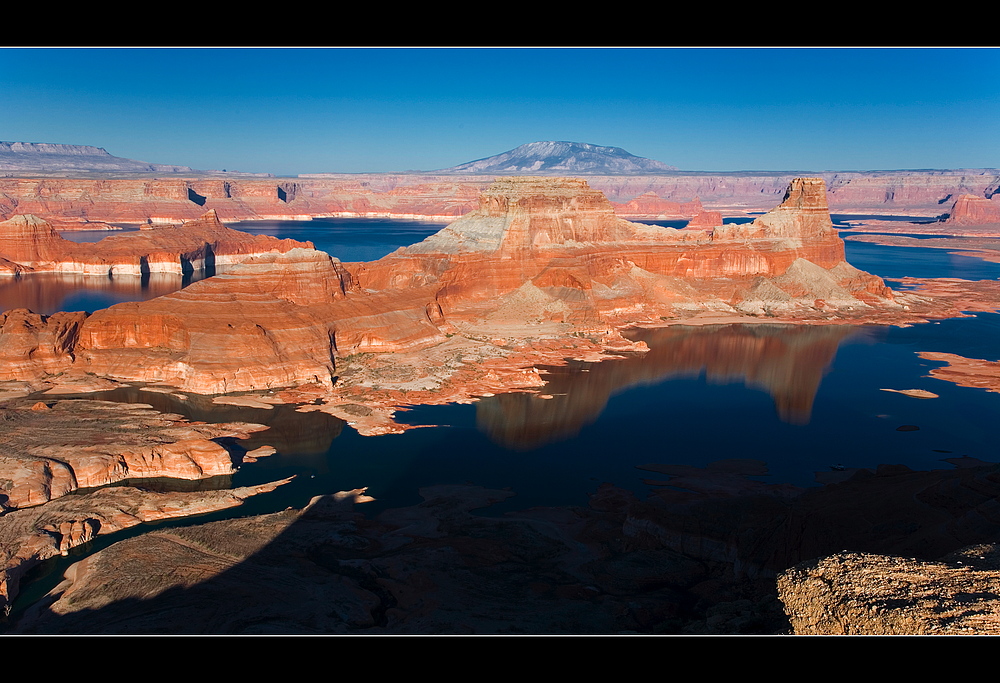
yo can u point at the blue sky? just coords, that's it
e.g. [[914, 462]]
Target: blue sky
[[296, 110]]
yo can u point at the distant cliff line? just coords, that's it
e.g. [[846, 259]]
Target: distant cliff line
[[176, 197]]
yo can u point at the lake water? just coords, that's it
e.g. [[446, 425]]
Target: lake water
[[802, 399]]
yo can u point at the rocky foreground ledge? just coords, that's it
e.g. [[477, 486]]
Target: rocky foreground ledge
[[879, 595], [700, 555], [51, 449]]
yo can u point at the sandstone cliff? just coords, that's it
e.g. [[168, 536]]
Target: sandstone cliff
[[200, 244], [173, 199], [543, 249], [540, 256], [970, 209]]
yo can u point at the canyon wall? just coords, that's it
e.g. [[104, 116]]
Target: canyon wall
[[677, 196], [970, 209]]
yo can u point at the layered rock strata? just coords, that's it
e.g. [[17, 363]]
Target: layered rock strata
[[553, 250], [153, 200], [203, 243], [970, 209], [52, 450], [539, 255]]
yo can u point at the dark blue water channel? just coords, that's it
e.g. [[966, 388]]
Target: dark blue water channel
[[348, 239]]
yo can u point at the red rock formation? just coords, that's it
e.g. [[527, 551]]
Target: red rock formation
[[970, 209], [33, 242], [253, 327], [33, 345], [651, 205], [705, 220], [553, 249], [538, 252], [85, 444]]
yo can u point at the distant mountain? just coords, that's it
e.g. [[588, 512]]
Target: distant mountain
[[559, 158], [46, 157]]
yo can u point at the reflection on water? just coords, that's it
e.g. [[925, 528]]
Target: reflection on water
[[46, 293], [785, 361]]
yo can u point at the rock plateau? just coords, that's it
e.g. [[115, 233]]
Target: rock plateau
[[171, 199]]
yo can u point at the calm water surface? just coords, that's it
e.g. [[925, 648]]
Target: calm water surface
[[802, 399]]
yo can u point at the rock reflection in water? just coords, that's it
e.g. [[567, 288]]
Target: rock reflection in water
[[47, 293], [786, 361]]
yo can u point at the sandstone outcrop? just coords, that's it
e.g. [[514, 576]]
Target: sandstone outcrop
[[970, 209], [547, 249], [85, 444], [33, 345], [705, 220], [204, 243], [878, 595], [33, 535], [257, 326]]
